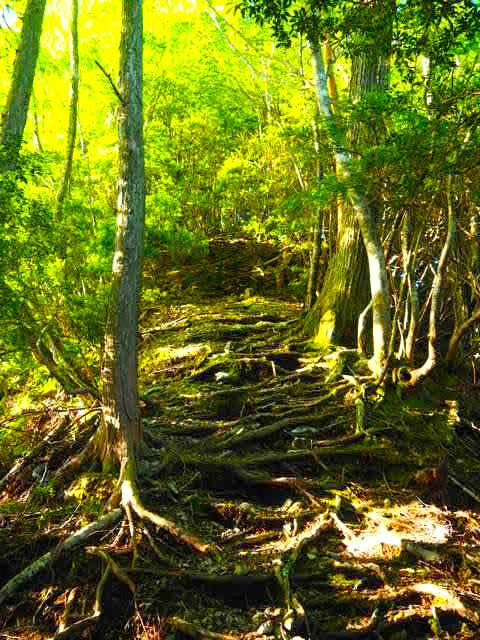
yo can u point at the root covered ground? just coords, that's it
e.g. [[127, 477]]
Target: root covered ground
[[324, 508]]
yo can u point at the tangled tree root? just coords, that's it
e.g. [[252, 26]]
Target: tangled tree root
[[266, 478]]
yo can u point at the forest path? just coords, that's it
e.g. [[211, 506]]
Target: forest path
[[318, 524], [322, 529]]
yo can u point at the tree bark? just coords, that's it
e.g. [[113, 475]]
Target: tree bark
[[409, 260], [122, 431], [314, 271], [344, 296], [365, 218], [15, 115], [73, 112]]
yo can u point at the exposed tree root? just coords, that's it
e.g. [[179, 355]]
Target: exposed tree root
[[244, 469], [68, 607], [257, 434], [65, 633], [112, 565], [131, 499], [78, 627], [46, 561], [199, 633], [219, 580], [293, 611]]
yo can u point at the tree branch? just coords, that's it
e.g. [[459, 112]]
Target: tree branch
[[111, 82]]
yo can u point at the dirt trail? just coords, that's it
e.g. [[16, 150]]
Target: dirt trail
[[328, 511]]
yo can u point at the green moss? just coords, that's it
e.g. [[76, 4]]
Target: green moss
[[96, 486], [161, 357], [324, 335], [341, 581]]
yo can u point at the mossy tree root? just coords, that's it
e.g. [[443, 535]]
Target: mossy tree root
[[294, 612], [78, 539], [199, 633], [131, 501]]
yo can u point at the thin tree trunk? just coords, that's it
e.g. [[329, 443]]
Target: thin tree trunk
[[314, 271], [409, 261], [456, 338], [475, 247], [436, 298], [15, 115], [73, 111], [467, 295], [410, 319], [362, 323], [122, 430], [37, 142]]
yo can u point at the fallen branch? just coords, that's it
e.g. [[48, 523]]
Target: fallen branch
[[73, 464], [35, 453], [466, 490]]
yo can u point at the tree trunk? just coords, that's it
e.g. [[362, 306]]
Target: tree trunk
[[73, 111], [456, 338], [121, 432], [344, 296], [475, 248], [409, 265], [314, 271], [15, 115], [318, 239], [364, 216], [431, 362]]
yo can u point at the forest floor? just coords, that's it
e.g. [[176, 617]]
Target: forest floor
[[325, 511]]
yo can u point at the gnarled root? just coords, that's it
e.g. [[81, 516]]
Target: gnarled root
[[131, 500]]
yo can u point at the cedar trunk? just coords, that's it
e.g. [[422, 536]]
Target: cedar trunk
[[344, 295], [365, 218]]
